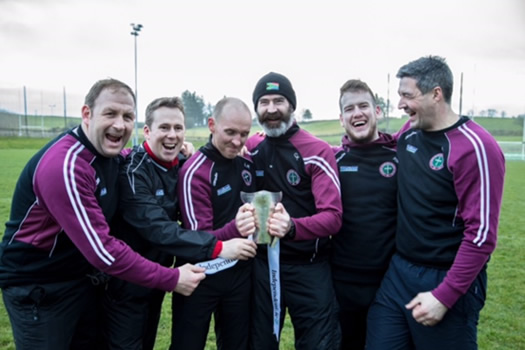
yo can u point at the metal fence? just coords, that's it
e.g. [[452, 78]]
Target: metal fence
[[34, 112], [33, 101]]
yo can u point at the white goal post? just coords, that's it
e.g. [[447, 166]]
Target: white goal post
[[513, 150]]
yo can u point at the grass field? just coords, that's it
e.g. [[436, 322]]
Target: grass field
[[502, 324]]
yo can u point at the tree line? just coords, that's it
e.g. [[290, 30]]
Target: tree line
[[198, 111]]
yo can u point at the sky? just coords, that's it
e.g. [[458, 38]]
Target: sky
[[221, 48]]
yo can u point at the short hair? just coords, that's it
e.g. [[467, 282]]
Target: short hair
[[225, 101], [355, 85], [429, 72], [169, 102], [103, 84]]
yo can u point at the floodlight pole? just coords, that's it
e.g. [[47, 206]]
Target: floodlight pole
[[461, 95], [135, 32], [65, 107]]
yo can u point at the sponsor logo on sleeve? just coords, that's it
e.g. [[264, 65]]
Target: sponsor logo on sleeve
[[224, 190], [411, 149], [348, 168]]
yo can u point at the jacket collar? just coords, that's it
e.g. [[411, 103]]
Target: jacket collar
[[385, 140]]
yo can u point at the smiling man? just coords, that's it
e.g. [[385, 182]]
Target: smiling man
[[363, 247], [58, 233], [303, 168], [450, 184], [211, 183]]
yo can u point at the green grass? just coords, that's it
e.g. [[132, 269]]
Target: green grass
[[502, 323], [10, 143]]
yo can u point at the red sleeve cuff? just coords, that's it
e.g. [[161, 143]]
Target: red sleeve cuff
[[217, 250]]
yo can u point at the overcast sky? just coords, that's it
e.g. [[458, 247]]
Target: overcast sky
[[219, 48]]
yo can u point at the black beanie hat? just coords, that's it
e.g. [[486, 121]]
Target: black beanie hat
[[274, 83]]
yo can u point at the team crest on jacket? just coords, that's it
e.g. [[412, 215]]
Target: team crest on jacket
[[246, 177], [387, 169], [293, 177], [437, 162]]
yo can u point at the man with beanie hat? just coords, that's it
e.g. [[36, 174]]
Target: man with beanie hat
[[275, 82], [290, 160]]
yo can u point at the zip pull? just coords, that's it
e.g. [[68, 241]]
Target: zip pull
[[36, 295], [35, 313]]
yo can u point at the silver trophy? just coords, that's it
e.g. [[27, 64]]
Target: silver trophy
[[264, 203]]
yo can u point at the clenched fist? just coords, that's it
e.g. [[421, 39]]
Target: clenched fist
[[238, 248]]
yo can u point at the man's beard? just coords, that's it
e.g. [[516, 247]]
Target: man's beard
[[284, 125]]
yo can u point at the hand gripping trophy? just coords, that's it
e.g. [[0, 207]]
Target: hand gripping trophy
[[264, 203]]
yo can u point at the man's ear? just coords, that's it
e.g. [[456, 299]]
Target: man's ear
[[437, 94], [211, 124], [379, 111], [86, 115], [146, 131]]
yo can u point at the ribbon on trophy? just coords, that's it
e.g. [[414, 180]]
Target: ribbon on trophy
[[216, 265], [264, 203]]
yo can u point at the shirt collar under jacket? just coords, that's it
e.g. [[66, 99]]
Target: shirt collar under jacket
[[212, 152], [384, 139], [81, 136], [167, 165]]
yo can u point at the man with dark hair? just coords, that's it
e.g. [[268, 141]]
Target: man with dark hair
[[363, 247], [450, 184], [210, 191], [58, 231], [302, 167], [149, 213]]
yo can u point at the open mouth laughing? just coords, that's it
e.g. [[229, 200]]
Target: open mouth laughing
[[114, 138], [169, 146]]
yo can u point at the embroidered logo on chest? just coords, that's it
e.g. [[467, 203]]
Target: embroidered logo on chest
[[159, 193], [387, 169], [246, 177], [293, 177], [437, 162]]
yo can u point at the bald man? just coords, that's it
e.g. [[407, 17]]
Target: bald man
[[210, 186]]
